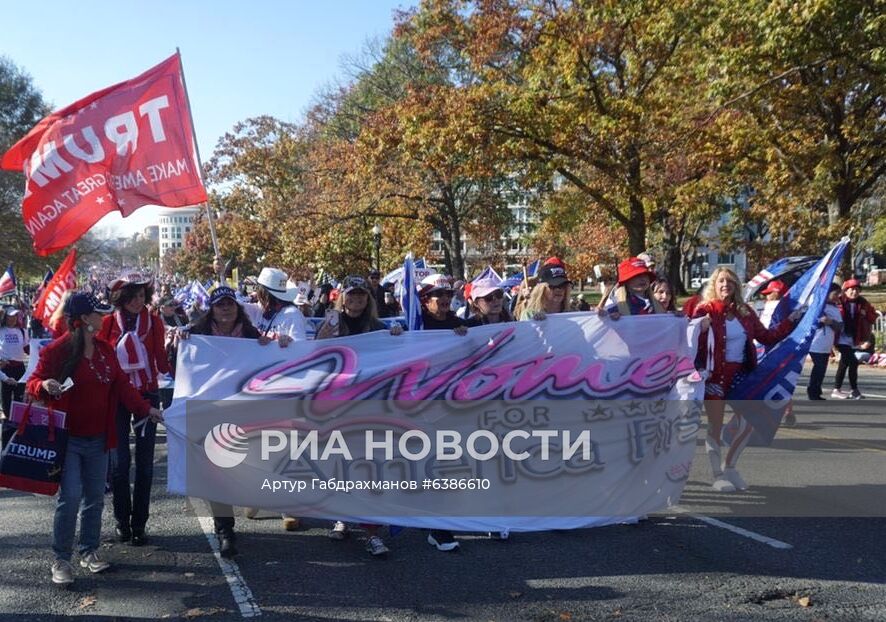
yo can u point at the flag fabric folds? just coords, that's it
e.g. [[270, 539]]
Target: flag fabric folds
[[762, 395], [409, 296], [7, 281], [65, 278], [777, 270], [118, 149]]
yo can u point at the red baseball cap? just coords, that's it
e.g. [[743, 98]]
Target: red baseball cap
[[775, 287], [851, 283], [632, 267]]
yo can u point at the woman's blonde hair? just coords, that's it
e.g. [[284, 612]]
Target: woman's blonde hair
[[710, 290], [536, 300]]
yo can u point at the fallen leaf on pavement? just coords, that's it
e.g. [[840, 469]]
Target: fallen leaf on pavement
[[196, 612], [804, 601], [565, 616], [86, 602], [189, 574], [515, 594]]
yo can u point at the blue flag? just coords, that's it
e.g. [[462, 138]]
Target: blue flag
[[409, 296], [517, 278], [762, 394], [779, 269]]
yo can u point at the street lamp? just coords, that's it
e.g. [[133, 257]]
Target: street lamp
[[376, 236]]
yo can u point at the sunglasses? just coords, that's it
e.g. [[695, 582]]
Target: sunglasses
[[492, 296], [442, 295]]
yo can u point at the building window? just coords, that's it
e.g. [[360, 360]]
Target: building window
[[726, 258], [187, 229]]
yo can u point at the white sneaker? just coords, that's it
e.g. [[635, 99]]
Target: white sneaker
[[839, 395], [62, 572], [376, 547], [713, 451], [721, 484], [339, 531], [732, 474], [93, 562]]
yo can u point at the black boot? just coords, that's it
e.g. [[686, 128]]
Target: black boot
[[226, 546], [139, 538], [124, 533]]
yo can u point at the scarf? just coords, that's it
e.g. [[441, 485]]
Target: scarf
[[236, 332], [131, 351]]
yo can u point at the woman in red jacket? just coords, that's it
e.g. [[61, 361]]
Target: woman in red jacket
[[725, 348], [138, 338], [90, 406], [857, 336]]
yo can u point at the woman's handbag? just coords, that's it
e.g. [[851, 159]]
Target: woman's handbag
[[33, 458]]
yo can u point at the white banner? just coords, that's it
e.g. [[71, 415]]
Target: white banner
[[614, 392]]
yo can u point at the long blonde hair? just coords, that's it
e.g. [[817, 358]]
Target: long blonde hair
[[536, 300], [710, 290]]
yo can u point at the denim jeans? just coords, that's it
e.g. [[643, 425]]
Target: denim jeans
[[83, 477], [132, 503]]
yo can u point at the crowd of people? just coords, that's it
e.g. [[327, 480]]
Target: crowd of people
[[117, 337]]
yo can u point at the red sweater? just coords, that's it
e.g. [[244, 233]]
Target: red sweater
[[90, 405], [154, 342]]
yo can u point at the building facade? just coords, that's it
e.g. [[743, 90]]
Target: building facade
[[175, 224]]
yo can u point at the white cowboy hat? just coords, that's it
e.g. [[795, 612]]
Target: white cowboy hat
[[278, 284]]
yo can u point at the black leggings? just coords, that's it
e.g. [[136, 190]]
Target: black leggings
[[847, 361]]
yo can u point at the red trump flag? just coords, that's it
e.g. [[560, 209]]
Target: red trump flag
[[65, 278], [121, 148]]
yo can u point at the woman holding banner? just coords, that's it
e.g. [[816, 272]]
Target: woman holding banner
[[551, 295], [725, 348], [226, 318], [90, 404], [138, 337], [355, 314], [277, 318], [486, 303], [435, 296]]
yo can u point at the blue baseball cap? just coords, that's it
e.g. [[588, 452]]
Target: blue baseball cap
[[219, 293], [82, 303]]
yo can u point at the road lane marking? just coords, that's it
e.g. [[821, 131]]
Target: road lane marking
[[847, 443], [874, 395], [758, 537], [239, 590]]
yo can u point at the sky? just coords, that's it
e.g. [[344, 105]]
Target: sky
[[241, 59]]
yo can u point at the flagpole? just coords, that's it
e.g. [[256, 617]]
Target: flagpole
[[218, 266]]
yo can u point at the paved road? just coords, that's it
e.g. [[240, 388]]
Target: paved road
[[722, 557]]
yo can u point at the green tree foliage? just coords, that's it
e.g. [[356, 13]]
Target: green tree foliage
[[21, 106], [806, 83]]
